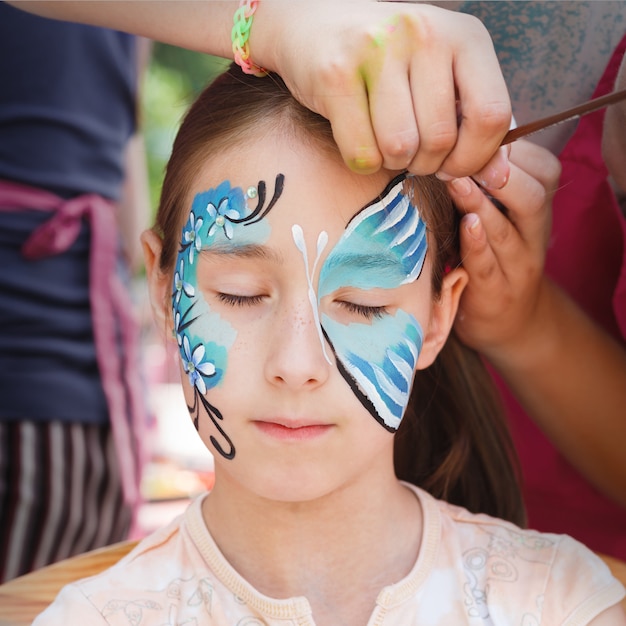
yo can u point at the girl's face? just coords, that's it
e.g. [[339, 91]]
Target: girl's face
[[301, 307]]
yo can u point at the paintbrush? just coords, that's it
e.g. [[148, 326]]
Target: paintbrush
[[563, 116]]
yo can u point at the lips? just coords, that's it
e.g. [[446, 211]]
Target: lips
[[294, 430]]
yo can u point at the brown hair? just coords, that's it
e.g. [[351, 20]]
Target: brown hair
[[453, 440]]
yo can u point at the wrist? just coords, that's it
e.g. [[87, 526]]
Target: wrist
[[265, 33], [538, 342], [243, 19]]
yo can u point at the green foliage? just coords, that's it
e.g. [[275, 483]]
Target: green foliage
[[196, 69], [173, 79]]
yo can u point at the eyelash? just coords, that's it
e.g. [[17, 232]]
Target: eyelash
[[368, 312], [241, 301]]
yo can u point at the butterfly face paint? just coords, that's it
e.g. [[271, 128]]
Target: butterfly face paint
[[383, 247], [219, 216]]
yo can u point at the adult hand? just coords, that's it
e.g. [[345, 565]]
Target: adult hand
[[560, 365], [404, 85], [504, 254]]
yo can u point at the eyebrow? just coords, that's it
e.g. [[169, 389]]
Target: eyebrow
[[243, 251]]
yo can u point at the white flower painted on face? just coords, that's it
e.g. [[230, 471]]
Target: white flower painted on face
[[192, 235], [222, 214], [195, 366], [181, 286], [177, 330]]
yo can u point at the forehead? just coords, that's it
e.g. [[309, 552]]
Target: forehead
[[317, 184]]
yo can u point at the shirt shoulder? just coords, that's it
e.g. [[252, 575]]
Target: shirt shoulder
[[580, 585], [177, 575], [70, 607], [543, 578], [163, 578]]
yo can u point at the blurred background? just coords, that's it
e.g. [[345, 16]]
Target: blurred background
[[172, 80], [180, 466]]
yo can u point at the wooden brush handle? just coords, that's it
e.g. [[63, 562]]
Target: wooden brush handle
[[568, 114]]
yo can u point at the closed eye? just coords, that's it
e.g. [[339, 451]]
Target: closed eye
[[368, 312], [239, 301]]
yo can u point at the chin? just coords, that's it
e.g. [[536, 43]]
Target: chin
[[293, 487]]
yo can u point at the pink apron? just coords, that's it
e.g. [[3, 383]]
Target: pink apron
[[111, 309]]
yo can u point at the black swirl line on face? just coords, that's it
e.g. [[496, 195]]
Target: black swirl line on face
[[216, 417], [258, 213]]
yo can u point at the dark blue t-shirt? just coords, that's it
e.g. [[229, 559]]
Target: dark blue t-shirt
[[67, 109], [67, 103]]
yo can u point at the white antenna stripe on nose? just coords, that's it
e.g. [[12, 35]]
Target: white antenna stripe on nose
[[322, 240]]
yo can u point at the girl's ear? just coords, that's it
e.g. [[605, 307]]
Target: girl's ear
[[159, 284], [442, 316]]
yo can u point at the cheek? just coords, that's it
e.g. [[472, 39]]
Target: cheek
[[205, 341], [378, 361], [204, 338]]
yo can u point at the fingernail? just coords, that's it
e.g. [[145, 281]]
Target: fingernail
[[461, 186], [446, 178], [472, 225], [496, 175], [366, 161]]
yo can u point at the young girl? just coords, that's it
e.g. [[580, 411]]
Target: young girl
[[312, 308]]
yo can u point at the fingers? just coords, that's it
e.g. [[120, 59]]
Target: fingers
[[484, 103], [432, 87], [412, 97], [516, 239], [477, 255], [392, 116], [504, 252], [389, 79], [496, 259], [495, 174], [528, 194], [484, 235], [349, 116], [431, 58], [538, 162]]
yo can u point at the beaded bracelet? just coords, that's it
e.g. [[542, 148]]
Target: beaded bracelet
[[240, 34]]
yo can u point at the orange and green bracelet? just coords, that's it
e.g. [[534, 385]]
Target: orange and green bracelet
[[242, 22]]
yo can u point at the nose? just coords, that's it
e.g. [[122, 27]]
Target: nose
[[297, 355]]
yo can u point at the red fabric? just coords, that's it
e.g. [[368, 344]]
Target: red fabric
[[587, 257]]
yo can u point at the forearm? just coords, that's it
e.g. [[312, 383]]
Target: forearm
[[200, 25], [378, 118], [203, 26], [570, 376]]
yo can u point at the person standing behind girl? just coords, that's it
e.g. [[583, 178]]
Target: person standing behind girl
[[312, 308], [72, 411], [545, 304]]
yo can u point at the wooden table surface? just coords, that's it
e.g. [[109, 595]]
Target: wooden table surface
[[22, 599]]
